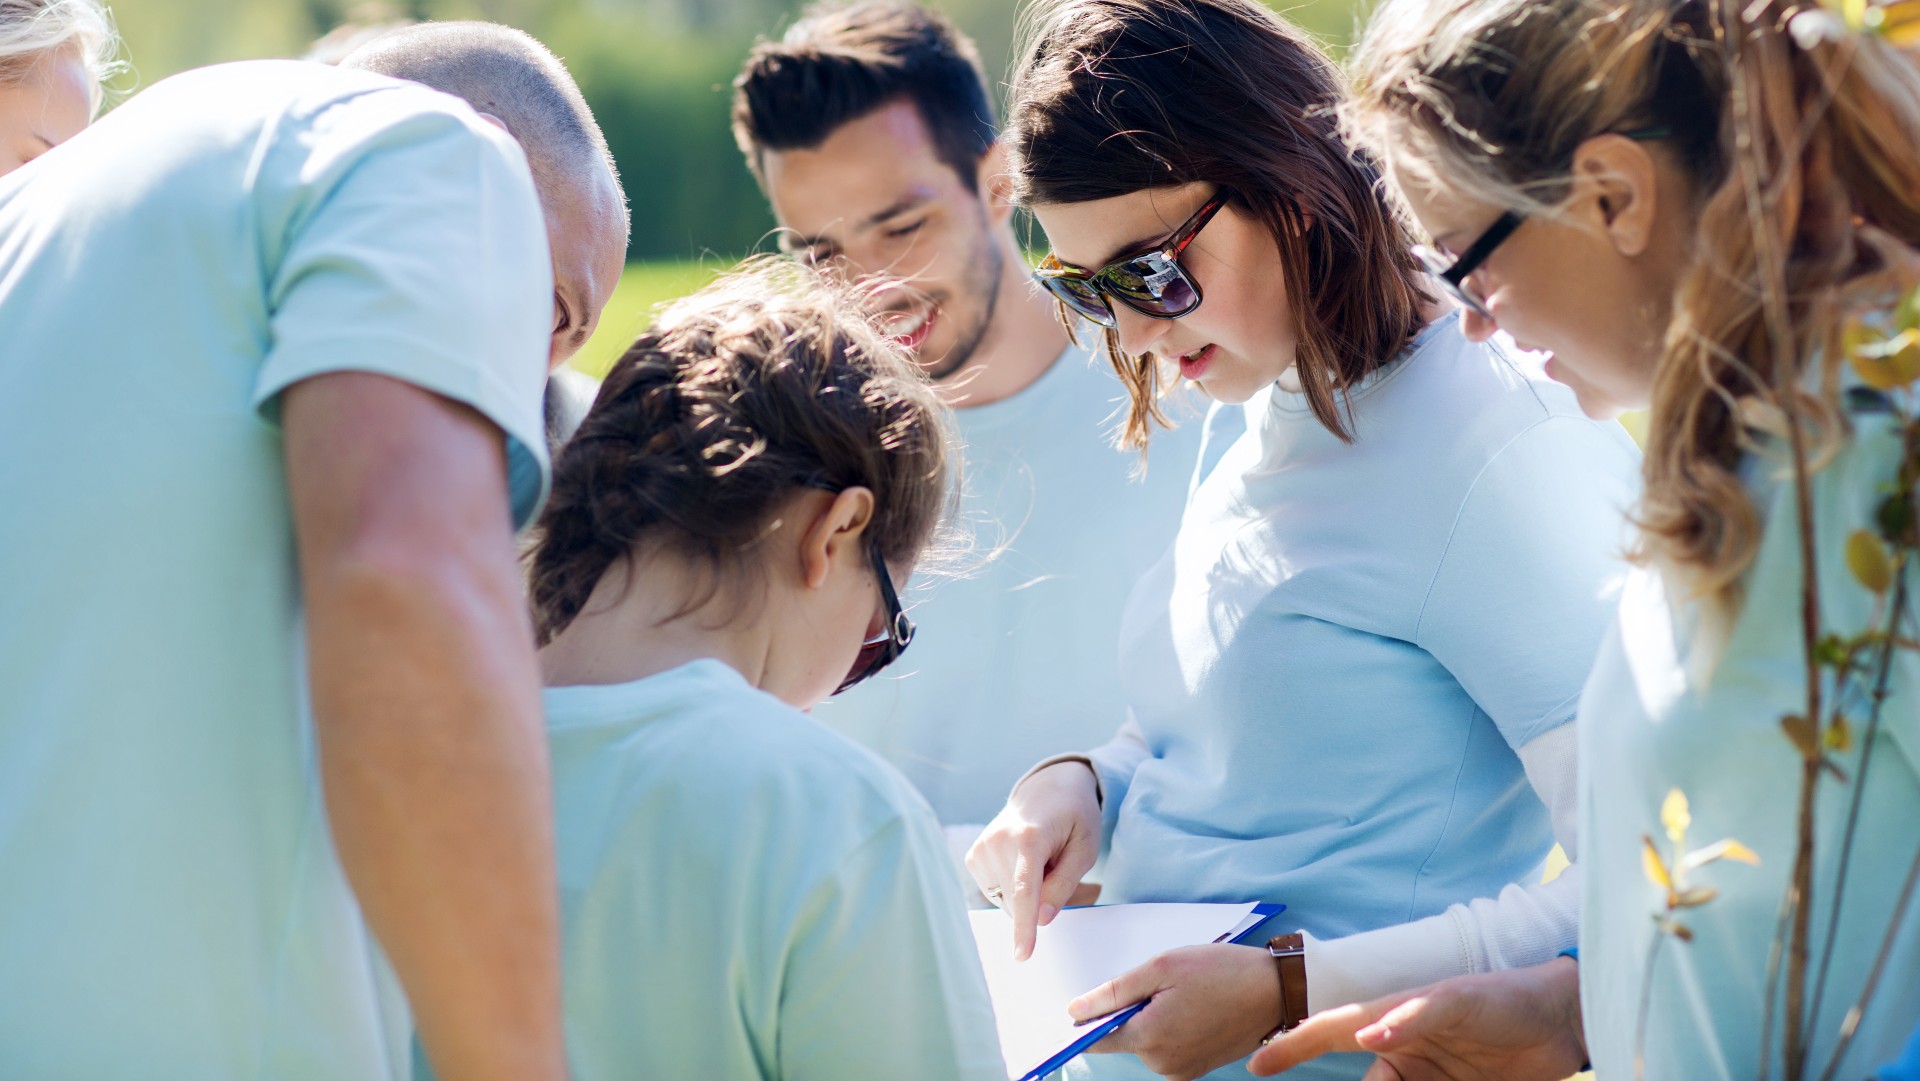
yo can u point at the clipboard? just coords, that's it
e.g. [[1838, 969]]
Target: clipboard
[[1137, 933]]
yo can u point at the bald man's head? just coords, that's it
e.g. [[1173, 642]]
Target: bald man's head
[[512, 80]]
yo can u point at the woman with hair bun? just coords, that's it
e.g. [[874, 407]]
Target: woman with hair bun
[[1352, 680], [54, 55], [1710, 210], [745, 893]]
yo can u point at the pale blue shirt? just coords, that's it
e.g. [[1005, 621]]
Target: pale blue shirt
[[1015, 659], [170, 904], [1332, 670], [746, 894], [1657, 718]]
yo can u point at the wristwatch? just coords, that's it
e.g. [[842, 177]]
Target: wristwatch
[[1290, 957]]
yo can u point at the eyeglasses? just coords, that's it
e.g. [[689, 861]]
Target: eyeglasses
[[883, 648], [1452, 272], [1151, 282]]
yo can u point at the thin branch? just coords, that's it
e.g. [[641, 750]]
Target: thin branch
[[1852, 1023], [1646, 1006], [1880, 682]]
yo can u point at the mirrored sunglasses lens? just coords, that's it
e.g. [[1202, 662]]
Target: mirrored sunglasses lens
[[1080, 296], [1154, 284]]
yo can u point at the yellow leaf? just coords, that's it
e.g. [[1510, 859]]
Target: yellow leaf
[[1900, 23], [1801, 731], [1655, 866], [1718, 850], [1884, 363], [1870, 560], [1695, 897], [1676, 817], [1839, 735]]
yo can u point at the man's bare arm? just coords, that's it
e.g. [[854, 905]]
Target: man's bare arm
[[426, 705]]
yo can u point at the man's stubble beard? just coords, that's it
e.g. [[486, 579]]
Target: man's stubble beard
[[962, 353]]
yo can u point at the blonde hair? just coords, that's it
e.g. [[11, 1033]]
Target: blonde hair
[[1799, 149], [31, 29]]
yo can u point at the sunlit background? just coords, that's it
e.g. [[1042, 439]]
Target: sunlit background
[[657, 73]]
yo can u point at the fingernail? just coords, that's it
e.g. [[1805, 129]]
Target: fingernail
[[1047, 913]]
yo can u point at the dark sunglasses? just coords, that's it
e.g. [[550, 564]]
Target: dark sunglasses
[[1452, 272], [1151, 282], [885, 647]]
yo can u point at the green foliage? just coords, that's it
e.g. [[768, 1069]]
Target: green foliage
[[642, 289], [658, 74]]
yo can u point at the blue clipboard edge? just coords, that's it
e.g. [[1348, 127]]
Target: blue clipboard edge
[[1264, 910]]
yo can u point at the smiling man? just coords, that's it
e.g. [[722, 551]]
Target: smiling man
[[870, 130]]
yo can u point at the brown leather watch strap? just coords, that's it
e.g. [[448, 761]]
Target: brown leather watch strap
[[1290, 957]]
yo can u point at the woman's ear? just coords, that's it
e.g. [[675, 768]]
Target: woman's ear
[[1616, 188], [836, 532], [994, 183]]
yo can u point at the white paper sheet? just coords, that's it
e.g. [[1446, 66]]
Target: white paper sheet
[[1082, 949]]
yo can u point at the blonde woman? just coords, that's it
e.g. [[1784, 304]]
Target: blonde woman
[[53, 56], [1694, 205]]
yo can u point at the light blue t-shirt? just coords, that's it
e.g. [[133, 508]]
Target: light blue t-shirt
[[746, 894], [1333, 668], [1656, 718], [1016, 661], [170, 903]]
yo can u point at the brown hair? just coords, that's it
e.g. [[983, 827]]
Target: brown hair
[[841, 62], [765, 382], [1806, 183], [1117, 96]]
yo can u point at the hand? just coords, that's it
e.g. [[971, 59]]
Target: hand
[[1039, 847], [1518, 1025], [1211, 1006]]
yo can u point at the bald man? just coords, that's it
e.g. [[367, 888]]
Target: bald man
[[270, 750], [513, 82]]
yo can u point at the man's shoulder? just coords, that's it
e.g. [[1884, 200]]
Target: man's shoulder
[[273, 88], [284, 114]]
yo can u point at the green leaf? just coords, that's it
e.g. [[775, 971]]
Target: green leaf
[[1832, 651], [1896, 520]]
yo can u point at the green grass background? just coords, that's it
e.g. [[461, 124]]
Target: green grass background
[[643, 287]]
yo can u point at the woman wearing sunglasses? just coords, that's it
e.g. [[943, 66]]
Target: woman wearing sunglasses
[[1352, 679], [745, 893], [1719, 277]]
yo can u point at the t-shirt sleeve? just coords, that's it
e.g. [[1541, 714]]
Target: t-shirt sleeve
[[883, 979], [1526, 586], [404, 239]]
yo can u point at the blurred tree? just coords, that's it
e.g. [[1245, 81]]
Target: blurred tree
[[657, 72]]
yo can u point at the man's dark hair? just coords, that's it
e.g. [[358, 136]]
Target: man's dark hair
[[840, 62]]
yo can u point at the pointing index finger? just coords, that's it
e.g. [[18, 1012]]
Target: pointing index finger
[[1023, 902]]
